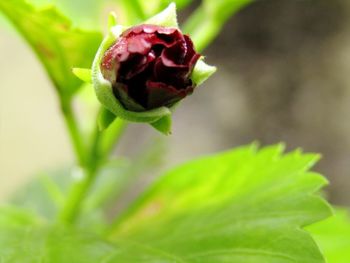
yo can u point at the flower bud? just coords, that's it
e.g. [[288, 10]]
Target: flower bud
[[140, 73], [150, 66]]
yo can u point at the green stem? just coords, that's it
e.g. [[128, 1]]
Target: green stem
[[77, 193], [73, 130], [112, 136], [100, 148], [83, 182]]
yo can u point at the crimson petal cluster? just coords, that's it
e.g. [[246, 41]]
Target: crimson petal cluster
[[150, 66]]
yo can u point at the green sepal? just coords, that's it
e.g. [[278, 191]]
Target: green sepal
[[202, 72], [112, 20], [83, 74], [105, 118], [167, 17], [163, 125]]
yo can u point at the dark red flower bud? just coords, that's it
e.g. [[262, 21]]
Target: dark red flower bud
[[150, 66]]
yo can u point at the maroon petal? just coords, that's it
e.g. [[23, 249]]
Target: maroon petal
[[139, 44], [175, 54], [160, 94], [150, 66], [138, 66], [121, 92], [167, 30], [190, 49]]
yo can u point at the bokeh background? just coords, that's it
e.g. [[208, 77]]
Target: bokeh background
[[284, 76]]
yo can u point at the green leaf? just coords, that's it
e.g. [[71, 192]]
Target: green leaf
[[11, 216], [132, 11], [56, 42], [207, 21], [28, 242], [333, 237], [43, 195], [221, 10], [241, 206], [119, 178]]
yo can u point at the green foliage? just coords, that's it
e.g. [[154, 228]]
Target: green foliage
[[86, 13], [45, 194], [245, 205], [241, 206], [333, 237], [24, 240], [209, 18], [56, 42]]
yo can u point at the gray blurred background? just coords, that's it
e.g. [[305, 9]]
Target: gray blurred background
[[284, 76]]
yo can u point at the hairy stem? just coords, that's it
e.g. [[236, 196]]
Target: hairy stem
[[84, 179], [100, 148], [73, 131], [77, 193], [112, 136]]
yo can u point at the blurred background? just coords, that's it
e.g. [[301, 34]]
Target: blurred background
[[283, 76]]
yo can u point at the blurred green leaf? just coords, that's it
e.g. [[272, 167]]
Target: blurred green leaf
[[245, 205], [42, 195], [59, 45], [11, 216], [333, 237], [46, 193], [221, 10], [133, 12], [37, 195], [242, 206], [86, 13], [207, 21], [26, 241], [117, 181]]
